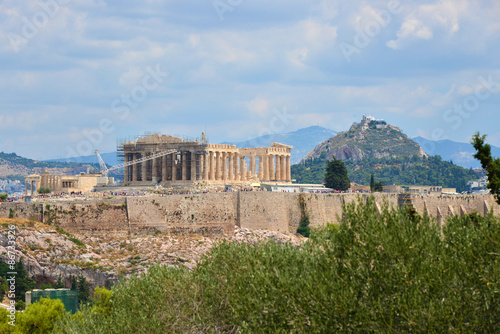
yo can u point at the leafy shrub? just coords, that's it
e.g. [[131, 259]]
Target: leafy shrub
[[390, 273]]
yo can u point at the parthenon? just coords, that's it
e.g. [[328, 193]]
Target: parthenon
[[198, 162]]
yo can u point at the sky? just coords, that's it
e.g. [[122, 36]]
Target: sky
[[81, 75]]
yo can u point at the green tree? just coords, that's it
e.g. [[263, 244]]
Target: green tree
[[372, 183], [59, 283], [4, 196], [336, 175], [40, 317], [378, 187], [490, 164], [74, 283], [83, 290], [23, 282], [43, 190]]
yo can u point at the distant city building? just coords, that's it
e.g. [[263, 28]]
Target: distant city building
[[478, 187], [294, 187]]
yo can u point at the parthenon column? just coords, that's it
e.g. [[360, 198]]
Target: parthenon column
[[217, 166], [184, 166], [243, 169], [261, 168], [154, 176], [134, 167], [265, 159], [32, 188], [202, 167], [144, 168], [278, 168], [237, 172], [25, 188], [283, 168], [224, 166], [288, 169], [193, 166], [231, 167], [164, 170], [212, 165], [271, 168], [174, 167]]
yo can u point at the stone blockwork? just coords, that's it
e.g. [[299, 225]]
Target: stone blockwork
[[218, 213], [76, 217]]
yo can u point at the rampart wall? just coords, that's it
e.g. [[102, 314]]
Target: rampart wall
[[218, 213]]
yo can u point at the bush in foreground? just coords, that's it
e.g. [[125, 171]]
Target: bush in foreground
[[391, 272]]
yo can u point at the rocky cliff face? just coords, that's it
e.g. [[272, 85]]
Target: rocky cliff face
[[368, 139], [48, 253]]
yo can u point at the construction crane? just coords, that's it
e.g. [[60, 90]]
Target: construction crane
[[105, 170]]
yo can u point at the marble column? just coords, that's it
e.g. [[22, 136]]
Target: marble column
[[231, 166], [134, 168], [25, 188], [283, 168], [154, 176], [193, 165], [252, 165], [212, 165], [278, 168], [237, 172], [174, 167], [32, 187], [243, 169], [224, 166], [203, 169], [288, 169], [217, 166], [164, 171], [144, 168], [271, 168], [261, 168], [184, 166], [265, 159]]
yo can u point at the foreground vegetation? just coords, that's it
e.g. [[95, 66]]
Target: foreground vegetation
[[395, 272], [389, 273]]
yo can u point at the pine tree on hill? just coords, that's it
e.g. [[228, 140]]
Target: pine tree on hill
[[336, 176]]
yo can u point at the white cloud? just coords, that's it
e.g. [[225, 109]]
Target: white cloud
[[259, 106]]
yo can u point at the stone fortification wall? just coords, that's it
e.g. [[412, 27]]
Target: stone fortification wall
[[218, 213], [91, 217], [206, 214]]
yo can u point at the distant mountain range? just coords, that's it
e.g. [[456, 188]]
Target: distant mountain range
[[303, 141], [16, 167], [459, 153]]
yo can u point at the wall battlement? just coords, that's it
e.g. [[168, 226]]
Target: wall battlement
[[218, 213]]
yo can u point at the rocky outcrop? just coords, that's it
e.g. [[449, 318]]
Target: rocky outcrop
[[367, 139], [48, 253]]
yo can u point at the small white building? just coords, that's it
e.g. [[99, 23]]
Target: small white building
[[294, 187]]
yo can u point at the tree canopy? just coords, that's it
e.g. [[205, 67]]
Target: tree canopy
[[490, 164], [336, 176]]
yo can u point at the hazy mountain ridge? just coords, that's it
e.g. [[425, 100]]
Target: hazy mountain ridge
[[460, 153], [303, 140], [13, 165]]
